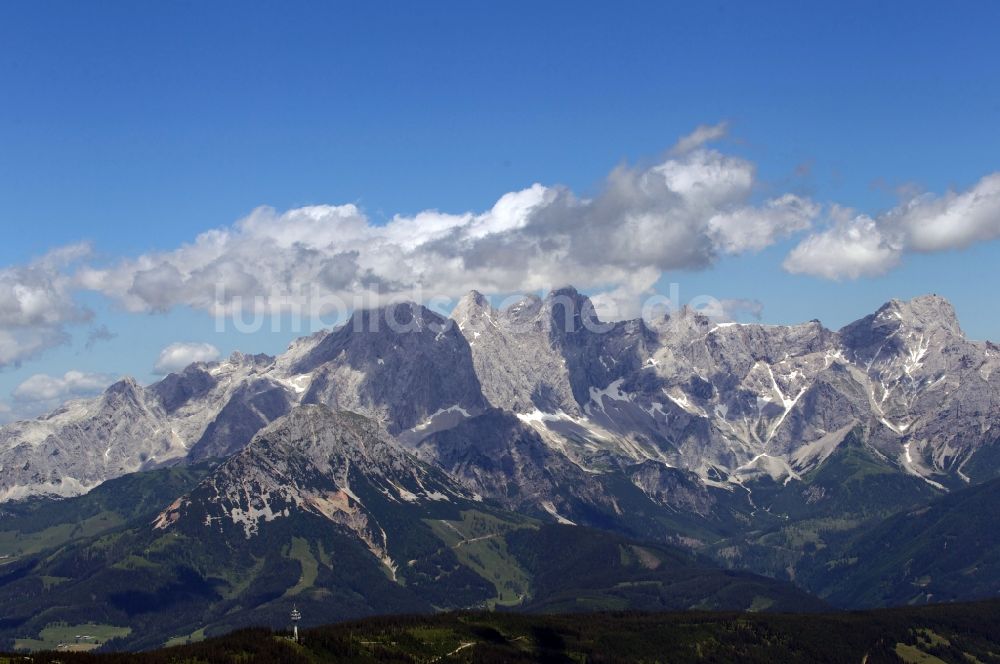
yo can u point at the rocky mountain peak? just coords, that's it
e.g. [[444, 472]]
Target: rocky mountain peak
[[926, 312], [401, 363], [125, 393], [472, 309], [307, 426], [125, 385], [394, 318], [929, 311], [683, 324], [318, 461], [524, 310], [566, 295], [474, 300], [569, 310], [177, 389], [332, 440], [929, 320], [373, 332]]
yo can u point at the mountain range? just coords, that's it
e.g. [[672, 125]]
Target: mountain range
[[532, 456], [730, 403]]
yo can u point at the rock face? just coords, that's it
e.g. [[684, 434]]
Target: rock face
[[131, 428], [497, 455], [317, 461], [738, 401], [254, 404], [401, 363], [930, 388], [513, 356], [82, 444], [545, 408], [546, 354]]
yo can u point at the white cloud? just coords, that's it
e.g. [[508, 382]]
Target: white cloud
[[42, 387], [862, 246], [36, 304], [682, 213], [21, 343], [176, 356], [952, 221], [753, 229], [851, 248]]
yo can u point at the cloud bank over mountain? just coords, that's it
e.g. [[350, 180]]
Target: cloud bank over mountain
[[685, 211], [681, 213]]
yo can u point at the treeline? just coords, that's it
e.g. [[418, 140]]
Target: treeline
[[952, 633]]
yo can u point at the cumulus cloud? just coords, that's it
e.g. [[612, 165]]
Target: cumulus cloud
[[176, 356], [856, 245], [754, 229], [45, 388], [36, 304], [21, 343], [852, 247], [682, 213], [952, 221]]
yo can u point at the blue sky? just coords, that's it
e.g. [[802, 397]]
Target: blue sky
[[135, 127]]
